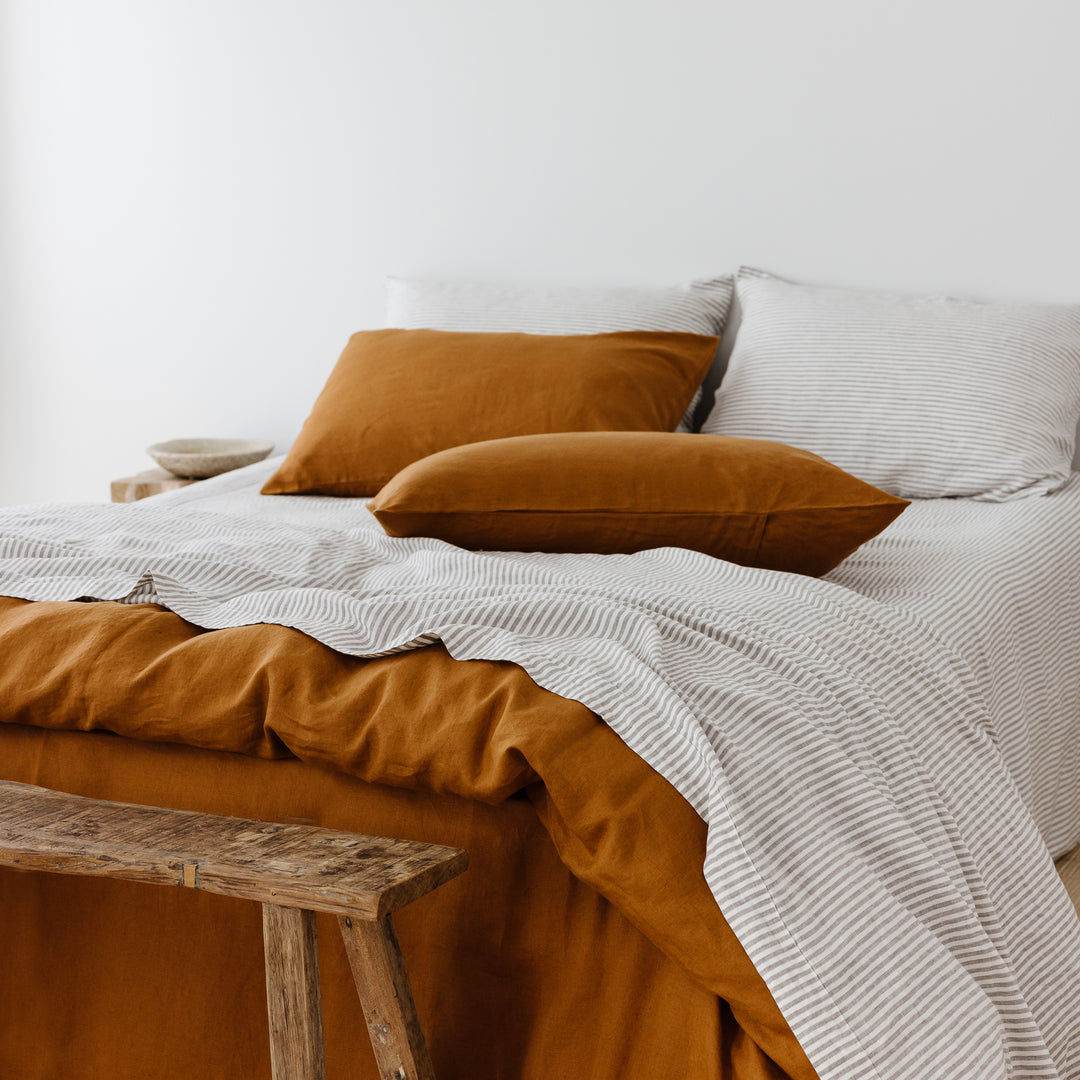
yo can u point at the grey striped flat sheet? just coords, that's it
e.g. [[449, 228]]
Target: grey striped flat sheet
[[866, 841], [1002, 582]]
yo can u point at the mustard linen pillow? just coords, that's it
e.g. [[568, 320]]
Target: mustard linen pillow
[[396, 396], [748, 501]]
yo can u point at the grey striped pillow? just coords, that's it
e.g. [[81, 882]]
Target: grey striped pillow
[[700, 307], [922, 397]]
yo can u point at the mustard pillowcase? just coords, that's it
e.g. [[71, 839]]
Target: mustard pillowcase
[[396, 396], [748, 501]]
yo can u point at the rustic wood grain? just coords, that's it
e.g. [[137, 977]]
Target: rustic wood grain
[[293, 1001], [365, 877], [293, 870], [143, 485], [1068, 868], [386, 996]]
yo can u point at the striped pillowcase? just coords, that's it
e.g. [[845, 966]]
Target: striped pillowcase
[[922, 397], [700, 307]]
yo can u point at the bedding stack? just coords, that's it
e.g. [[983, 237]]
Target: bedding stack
[[699, 307], [864, 773]]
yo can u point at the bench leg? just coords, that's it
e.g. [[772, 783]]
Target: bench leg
[[383, 985], [293, 1001]]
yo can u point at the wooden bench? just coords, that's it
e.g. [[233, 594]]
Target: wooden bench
[[292, 870]]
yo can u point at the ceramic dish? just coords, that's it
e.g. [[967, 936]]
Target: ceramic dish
[[199, 458]]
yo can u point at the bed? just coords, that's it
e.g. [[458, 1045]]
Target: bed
[[724, 819]]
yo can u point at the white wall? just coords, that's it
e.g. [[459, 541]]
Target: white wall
[[200, 200]]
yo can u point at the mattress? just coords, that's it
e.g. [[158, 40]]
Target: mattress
[[846, 752], [993, 579]]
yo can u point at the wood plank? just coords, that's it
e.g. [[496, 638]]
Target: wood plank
[[1068, 868], [366, 877], [293, 1001], [386, 996], [142, 485]]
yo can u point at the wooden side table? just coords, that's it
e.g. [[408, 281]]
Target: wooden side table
[[143, 485]]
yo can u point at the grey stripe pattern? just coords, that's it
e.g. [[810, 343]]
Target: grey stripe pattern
[[1000, 580], [700, 307], [866, 841], [923, 397]]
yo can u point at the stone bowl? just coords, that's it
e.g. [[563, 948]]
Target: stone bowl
[[199, 458]]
